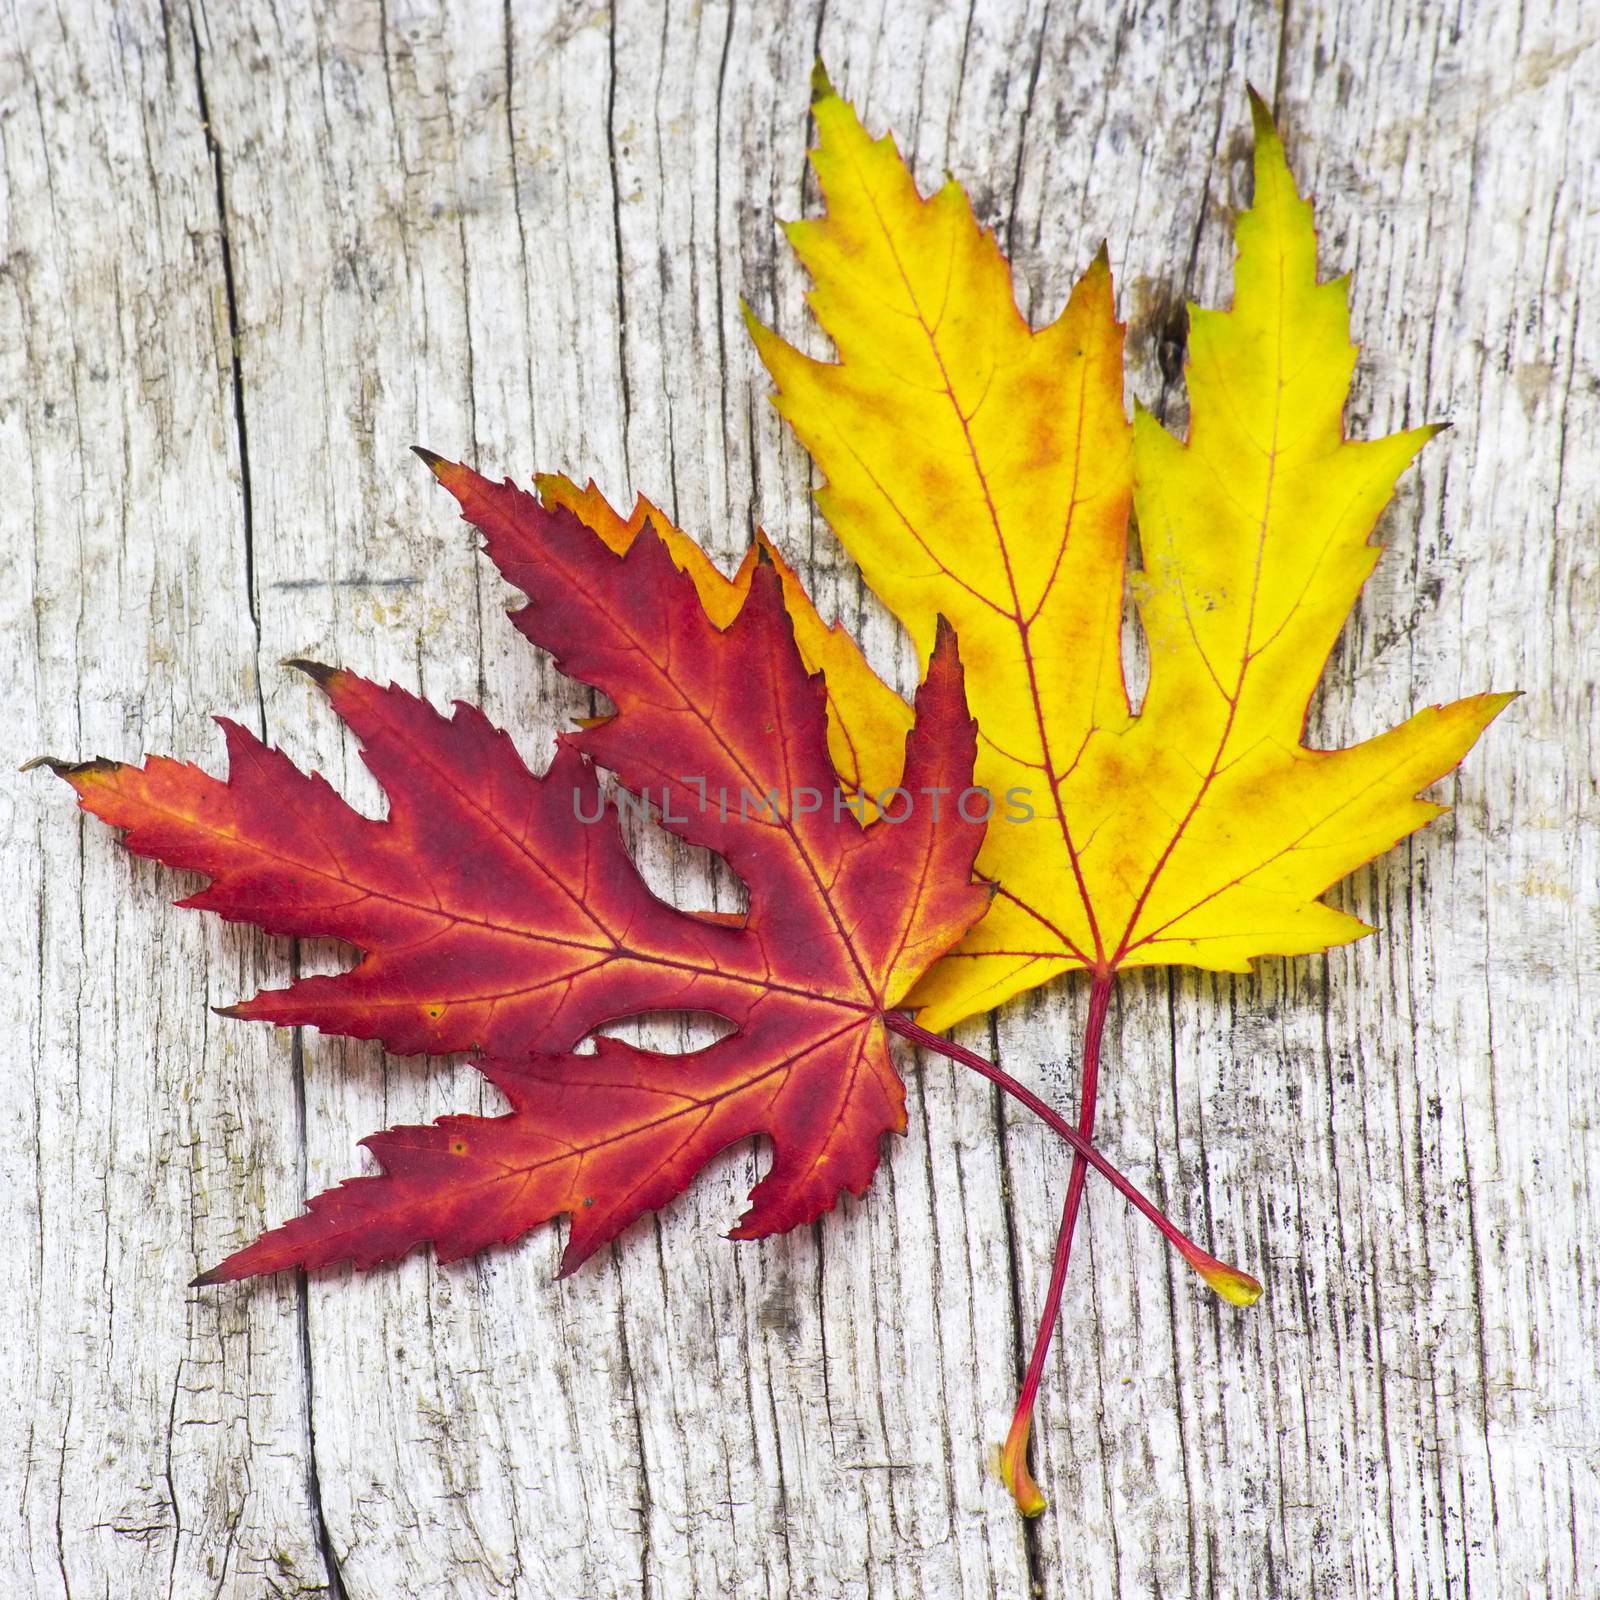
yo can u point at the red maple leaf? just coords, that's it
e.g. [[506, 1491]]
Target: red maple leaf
[[493, 917]]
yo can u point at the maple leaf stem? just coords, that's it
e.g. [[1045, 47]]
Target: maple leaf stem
[[1229, 1282], [1014, 1453], [1237, 1287]]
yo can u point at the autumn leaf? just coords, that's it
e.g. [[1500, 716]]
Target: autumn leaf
[[983, 471], [496, 914]]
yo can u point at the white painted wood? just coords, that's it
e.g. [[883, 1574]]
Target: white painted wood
[[521, 235]]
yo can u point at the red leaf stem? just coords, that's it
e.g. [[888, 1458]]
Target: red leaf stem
[[1237, 1287]]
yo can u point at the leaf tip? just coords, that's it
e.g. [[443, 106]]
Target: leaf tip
[[431, 459], [456, 476], [1260, 114], [72, 771], [575, 1254], [204, 1280], [319, 674], [821, 84], [753, 324]]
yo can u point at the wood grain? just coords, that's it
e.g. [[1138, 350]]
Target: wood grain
[[247, 256]]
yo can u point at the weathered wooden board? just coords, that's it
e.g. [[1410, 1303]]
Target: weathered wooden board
[[247, 256]]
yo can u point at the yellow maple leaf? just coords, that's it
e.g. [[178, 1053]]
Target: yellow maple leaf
[[983, 470]]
